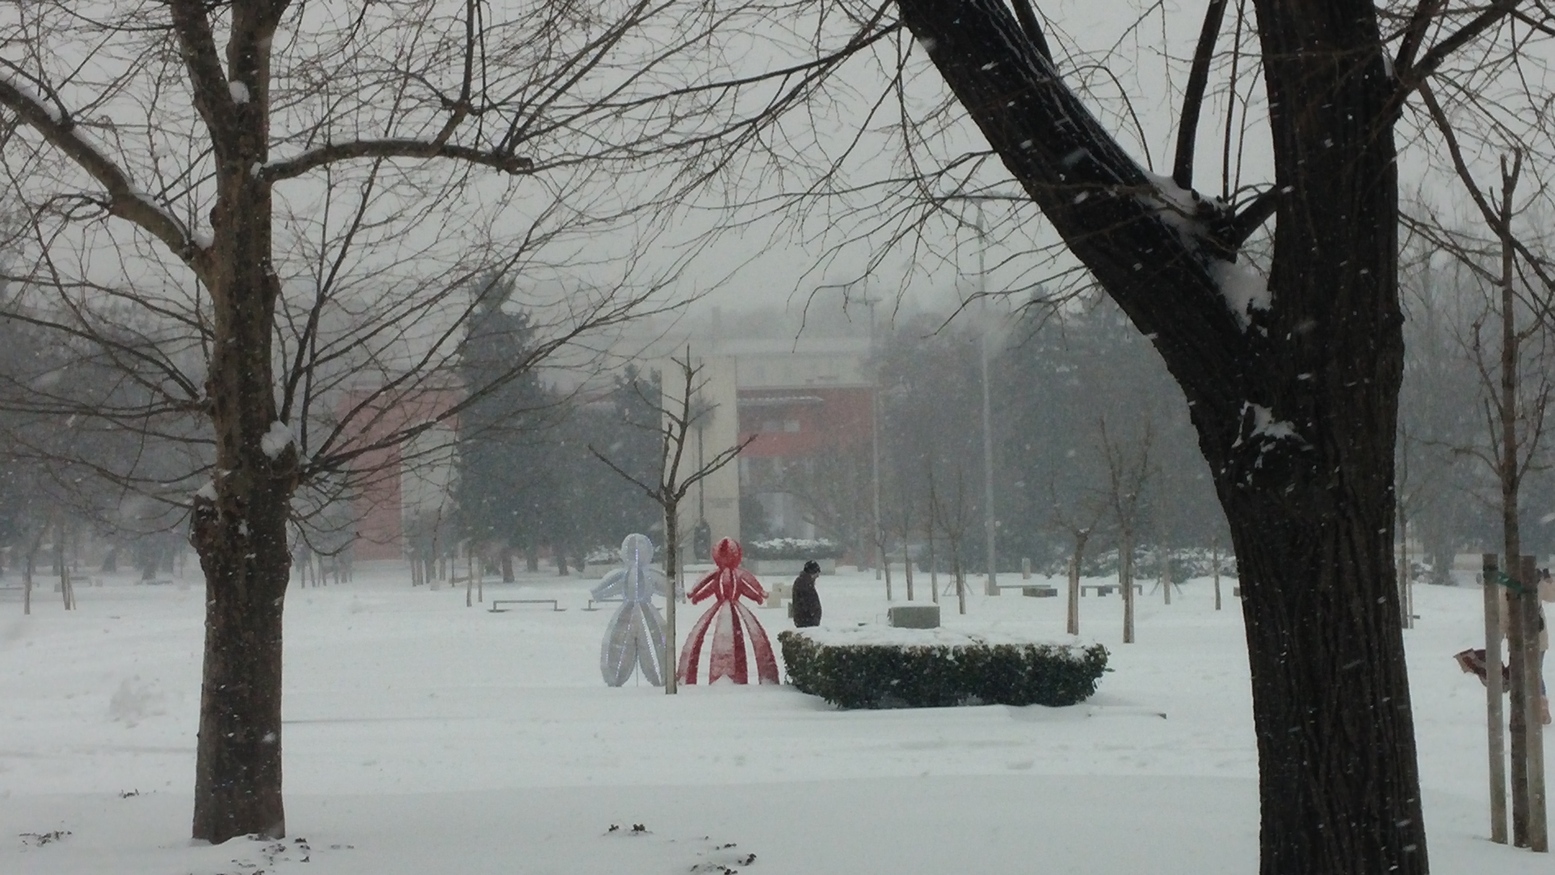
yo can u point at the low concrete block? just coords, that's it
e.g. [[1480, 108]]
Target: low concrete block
[[913, 616]]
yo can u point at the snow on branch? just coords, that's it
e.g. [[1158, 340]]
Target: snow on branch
[[277, 439], [124, 200], [1244, 288]]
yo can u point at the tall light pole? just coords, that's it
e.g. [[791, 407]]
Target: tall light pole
[[874, 450], [990, 525]]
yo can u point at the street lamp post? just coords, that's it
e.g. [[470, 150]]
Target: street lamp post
[[990, 525], [874, 451]]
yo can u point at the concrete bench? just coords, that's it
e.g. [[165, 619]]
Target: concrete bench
[[777, 593], [913, 616], [1108, 588], [551, 602], [1040, 591]]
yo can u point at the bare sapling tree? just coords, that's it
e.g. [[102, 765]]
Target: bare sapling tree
[[1291, 369], [897, 519], [1511, 344], [296, 194], [1078, 522], [880, 544], [57, 452], [683, 410], [953, 512], [1129, 469], [1214, 562], [931, 532]]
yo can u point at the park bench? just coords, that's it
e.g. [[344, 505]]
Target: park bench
[[1108, 588], [497, 610], [913, 616], [1039, 591], [777, 594]]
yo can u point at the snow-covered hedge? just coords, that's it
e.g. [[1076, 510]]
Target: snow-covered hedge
[[929, 668], [1186, 564], [792, 548]]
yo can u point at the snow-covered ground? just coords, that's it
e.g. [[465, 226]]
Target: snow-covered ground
[[422, 736]]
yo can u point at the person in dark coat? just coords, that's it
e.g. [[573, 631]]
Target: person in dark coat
[[807, 602]]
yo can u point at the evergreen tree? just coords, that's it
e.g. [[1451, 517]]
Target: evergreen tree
[[633, 443], [507, 486], [930, 421], [1058, 378]]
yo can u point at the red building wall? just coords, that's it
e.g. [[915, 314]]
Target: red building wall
[[377, 502], [795, 423]]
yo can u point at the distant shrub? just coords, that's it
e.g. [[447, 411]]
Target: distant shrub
[[792, 548], [1187, 563], [932, 675]]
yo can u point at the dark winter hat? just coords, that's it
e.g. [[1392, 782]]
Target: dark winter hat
[[811, 567]]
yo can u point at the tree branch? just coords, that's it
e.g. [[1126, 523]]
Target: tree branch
[[393, 148], [207, 79], [1414, 33], [1098, 199], [1252, 216], [124, 200], [724, 457], [1033, 30], [1414, 77], [652, 492], [1455, 152], [1193, 100]]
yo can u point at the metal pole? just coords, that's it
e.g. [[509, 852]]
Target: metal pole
[[874, 450], [990, 525]]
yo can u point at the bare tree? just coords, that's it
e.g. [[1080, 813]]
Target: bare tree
[[684, 411], [1079, 523], [953, 512], [298, 191], [1129, 468], [898, 518], [1513, 365], [1291, 370]]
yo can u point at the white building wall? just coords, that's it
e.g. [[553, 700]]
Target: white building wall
[[718, 495]]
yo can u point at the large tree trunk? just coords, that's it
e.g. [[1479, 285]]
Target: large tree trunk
[[240, 535], [1314, 536], [1294, 400], [239, 527]]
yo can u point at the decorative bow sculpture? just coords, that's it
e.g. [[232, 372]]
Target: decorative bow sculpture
[[727, 659], [635, 637]]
